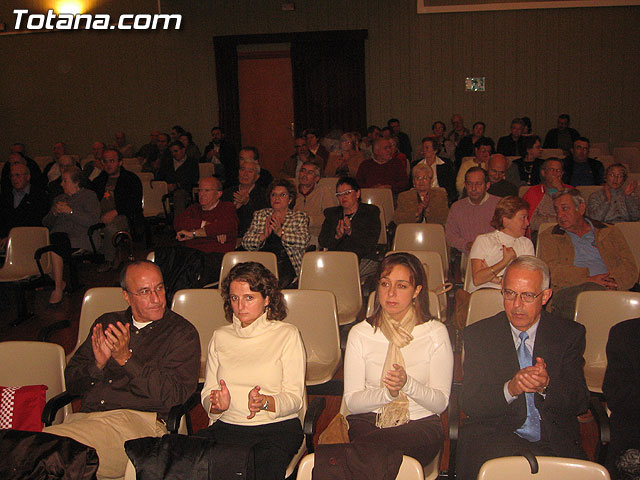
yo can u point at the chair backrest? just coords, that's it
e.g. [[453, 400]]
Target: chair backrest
[[631, 232], [550, 468], [484, 303], [152, 193], [602, 147], [382, 197], [628, 155], [315, 314], [551, 152], [206, 170], [34, 363], [131, 163], [587, 190], [543, 226], [434, 307], [204, 308], [598, 311], [336, 272], [134, 167], [382, 238], [145, 177], [410, 468], [523, 189], [435, 274], [230, 259], [423, 236], [96, 302], [20, 262], [329, 182], [43, 160]]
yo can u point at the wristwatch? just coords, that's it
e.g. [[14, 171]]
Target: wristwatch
[[266, 405], [193, 233]]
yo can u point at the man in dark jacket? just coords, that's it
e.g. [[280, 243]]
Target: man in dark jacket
[[181, 174], [120, 195], [563, 136], [579, 169]]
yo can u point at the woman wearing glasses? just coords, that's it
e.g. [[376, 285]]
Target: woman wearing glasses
[[346, 160], [254, 381], [399, 365], [280, 230], [492, 252]]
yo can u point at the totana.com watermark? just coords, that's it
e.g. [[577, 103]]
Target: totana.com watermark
[[98, 21]]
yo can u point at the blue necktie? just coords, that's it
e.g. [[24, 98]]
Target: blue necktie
[[530, 430]]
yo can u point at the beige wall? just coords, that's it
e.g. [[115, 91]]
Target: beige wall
[[81, 86]]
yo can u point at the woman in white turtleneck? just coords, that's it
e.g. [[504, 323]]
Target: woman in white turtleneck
[[254, 381]]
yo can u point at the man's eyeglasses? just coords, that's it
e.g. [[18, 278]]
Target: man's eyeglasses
[[147, 292], [342, 194], [526, 297]]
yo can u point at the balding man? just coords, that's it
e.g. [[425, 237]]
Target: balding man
[[93, 162], [34, 170], [23, 205], [54, 187], [133, 367], [312, 198], [53, 170], [500, 187], [125, 149], [383, 171]]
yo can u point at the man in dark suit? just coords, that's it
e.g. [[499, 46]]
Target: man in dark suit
[[181, 174], [512, 145], [523, 382]]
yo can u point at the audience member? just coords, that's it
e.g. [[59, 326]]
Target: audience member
[[445, 150], [120, 195], [162, 156], [458, 130], [54, 187], [181, 174], [68, 221], [35, 173], [382, 171], [280, 230], [512, 145], [404, 143], [125, 149], [526, 170], [500, 186], [492, 252], [386, 132], [92, 165], [220, 151], [176, 131], [482, 149], [261, 357], [579, 169], [442, 172], [583, 254], [247, 196], [422, 203], [191, 148], [132, 368], [523, 382], [539, 197], [465, 146], [398, 155], [562, 136], [399, 365], [317, 149], [622, 393], [251, 153], [528, 127], [471, 216], [210, 226], [22, 205], [616, 202], [352, 226], [53, 169], [148, 153], [366, 145], [292, 165], [312, 198], [347, 160]]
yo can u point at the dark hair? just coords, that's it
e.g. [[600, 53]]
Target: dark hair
[[385, 129], [178, 129], [135, 263], [189, 137], [484, 142], [582, 139], [217, 128], [260, 280], [507, 207], [372, 128], [117, 152], [527, 123], [438, 122], [311, 131], [392, 120], [433, 141], [417, 276], [479, 123], [165, 135], [177, 143], [254, 150], [518, 121], [529, 141], [477, 169], [352, 182], [283, 182], [565, 116]]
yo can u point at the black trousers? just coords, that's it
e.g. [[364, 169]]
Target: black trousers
[[274, 444], [421, 439]]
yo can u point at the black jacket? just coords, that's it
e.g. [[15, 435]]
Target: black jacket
[[128, 194], [597, 170], [365, 230], [29, 213], [551, 139]]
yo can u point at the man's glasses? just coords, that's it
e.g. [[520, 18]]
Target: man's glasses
[[147, 292], [526, 297]]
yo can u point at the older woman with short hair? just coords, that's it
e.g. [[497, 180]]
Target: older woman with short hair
[[422, 204], [492, 252], [616, 201], [255, 374], [345, 162]]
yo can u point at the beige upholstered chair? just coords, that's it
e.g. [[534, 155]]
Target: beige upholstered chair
[[551, 152], [315, 314], [337, 272], [601, 147], [410, 469], [598, 311], [230, 259], [329, 183], [631, 232], [423, 236], [206, 170], [34, 363], [523, 189], [629, 155], [204, 308], [152, 203], [543, 227], [484, 303], [549, 468], [382, 197]]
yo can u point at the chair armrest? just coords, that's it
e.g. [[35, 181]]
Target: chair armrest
[[604, 428], [314, 410], [92, 229], [178, 411], [53, 405], [45, 332], [454, 425], [38, 255]]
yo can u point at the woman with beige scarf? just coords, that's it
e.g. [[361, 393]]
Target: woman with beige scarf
[[399, 365]]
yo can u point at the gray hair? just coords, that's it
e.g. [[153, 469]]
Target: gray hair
[[421, 166], [574, 193], [534, 264], [255, 162]]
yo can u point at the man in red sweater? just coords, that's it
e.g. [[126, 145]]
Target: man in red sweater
[[383, 171]]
